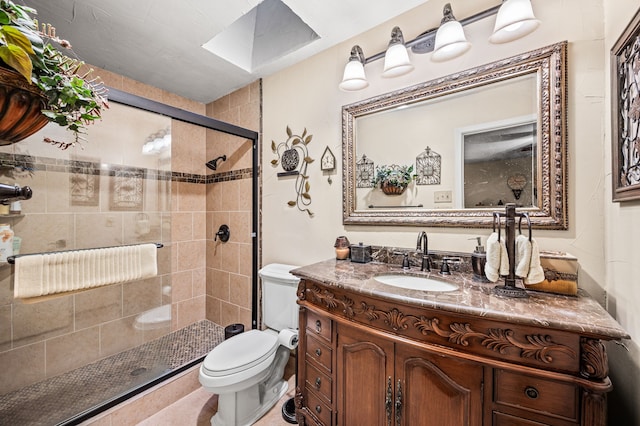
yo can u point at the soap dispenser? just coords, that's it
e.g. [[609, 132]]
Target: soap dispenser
[[478, 260]]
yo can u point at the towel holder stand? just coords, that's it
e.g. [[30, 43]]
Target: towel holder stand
[[12, 259], [509, 288]]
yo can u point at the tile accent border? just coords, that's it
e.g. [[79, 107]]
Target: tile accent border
[[12, 165]]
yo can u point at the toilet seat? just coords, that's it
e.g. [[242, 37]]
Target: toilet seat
[[240, 353]]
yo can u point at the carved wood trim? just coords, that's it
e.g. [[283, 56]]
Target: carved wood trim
[[538, 347], [594, 363], [298, 401], [594, 409]]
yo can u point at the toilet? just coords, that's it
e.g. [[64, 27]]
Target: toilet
[[246, 370]]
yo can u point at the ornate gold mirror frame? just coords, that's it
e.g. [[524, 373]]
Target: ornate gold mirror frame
[[548, 64]]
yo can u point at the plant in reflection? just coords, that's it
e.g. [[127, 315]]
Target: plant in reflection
[[393, 179]]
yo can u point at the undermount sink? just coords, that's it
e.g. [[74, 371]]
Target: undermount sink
[[415, 283]]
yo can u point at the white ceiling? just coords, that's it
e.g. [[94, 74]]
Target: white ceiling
[[159, 42]]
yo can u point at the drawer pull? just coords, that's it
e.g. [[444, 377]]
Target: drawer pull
[[531, 392], [318, 409], [318, 352], [318, 326], [318, 382]]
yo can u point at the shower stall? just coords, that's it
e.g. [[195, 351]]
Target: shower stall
[[140, 178]]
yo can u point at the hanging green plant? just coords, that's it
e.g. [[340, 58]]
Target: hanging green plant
[[289, 153], [68, 95]]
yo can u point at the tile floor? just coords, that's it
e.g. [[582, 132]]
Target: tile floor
[[197, 408]]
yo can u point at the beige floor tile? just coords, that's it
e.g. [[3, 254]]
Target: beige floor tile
[[197, 408]]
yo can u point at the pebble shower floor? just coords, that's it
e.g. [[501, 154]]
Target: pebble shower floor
[[60, 399]]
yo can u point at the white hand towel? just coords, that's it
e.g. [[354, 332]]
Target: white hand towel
[[494, 253], [28, 276], [536, 273], [523, 256], [41, 275], [504, 259]]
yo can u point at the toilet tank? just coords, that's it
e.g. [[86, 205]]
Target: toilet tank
[[279, 307]]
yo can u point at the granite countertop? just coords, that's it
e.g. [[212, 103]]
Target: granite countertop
[[581, 314]]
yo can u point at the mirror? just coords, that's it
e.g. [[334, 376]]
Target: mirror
[[475, 140]]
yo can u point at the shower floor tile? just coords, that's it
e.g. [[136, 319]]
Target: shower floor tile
[[61, 398]]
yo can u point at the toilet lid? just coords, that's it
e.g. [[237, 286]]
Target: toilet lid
[[240, 352]]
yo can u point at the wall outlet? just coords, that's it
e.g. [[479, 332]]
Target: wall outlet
[[442, 197]]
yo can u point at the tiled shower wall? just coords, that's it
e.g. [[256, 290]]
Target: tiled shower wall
[[229, 201], [44, 339]]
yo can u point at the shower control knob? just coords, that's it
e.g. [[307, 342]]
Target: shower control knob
[[223, 233]]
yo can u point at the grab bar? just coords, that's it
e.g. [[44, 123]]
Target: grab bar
[[12, 259]]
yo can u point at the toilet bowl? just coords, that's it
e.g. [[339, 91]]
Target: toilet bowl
[[246, 370]]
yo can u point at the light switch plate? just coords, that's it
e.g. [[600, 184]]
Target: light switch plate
[[442, 196]]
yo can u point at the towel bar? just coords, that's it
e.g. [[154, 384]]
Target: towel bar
[[12, 259]]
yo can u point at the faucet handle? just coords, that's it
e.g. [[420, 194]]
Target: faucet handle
[[444, 268], [405, 259]]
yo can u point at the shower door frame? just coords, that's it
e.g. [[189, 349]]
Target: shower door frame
[[145, 104]]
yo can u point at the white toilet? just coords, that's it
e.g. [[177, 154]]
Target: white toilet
[[246, 370]]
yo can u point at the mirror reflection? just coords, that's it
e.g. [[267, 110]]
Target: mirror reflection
[[474, 141]]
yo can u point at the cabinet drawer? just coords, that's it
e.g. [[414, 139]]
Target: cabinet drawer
[[319, 382], [319, 352], [502, 419], [319, 408], [536, 394], [319, 325]]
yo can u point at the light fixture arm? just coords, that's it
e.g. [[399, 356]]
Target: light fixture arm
[[424, 42], [448, 14], [396, 36], [357, 54]]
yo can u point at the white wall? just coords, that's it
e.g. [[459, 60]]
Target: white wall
[[621, 248], [306, 96]]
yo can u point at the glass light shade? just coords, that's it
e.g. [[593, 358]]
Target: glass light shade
[[354, 77], [396, 61], [450, 42], [515, 20]]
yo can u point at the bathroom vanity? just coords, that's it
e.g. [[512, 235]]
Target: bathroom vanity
[[377, 354]]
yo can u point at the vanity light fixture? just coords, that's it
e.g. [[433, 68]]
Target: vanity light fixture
[[396, 59], [354, 77], [514, 20], [450, 39]]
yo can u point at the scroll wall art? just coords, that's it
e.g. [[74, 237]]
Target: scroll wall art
[[289, 153], [625, 126]]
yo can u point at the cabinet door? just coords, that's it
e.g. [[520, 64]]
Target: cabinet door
[[364, 369], [437, 390]]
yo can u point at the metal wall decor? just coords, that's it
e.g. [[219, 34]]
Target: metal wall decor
[[84, 184], [127, 189], [625, 110], [289, 153], [365, 173], [428, 168]]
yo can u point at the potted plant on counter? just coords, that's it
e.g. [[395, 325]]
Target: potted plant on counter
[[393, 179], [40, 84]]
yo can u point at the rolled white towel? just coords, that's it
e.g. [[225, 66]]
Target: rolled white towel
[[523, 256], [536, 273], [494, 253]]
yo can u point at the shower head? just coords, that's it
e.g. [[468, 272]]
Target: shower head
[[213, 164]]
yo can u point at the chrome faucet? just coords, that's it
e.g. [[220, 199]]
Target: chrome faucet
[[423, 247]]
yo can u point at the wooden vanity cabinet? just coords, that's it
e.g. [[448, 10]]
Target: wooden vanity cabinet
[[396, 383], [366, 360]]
